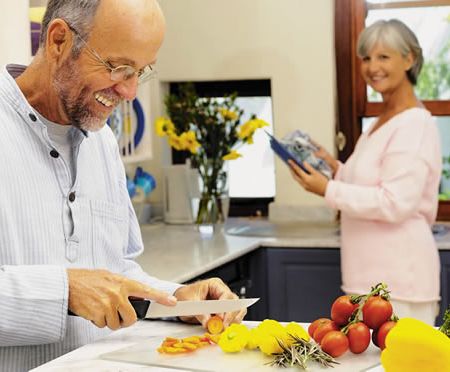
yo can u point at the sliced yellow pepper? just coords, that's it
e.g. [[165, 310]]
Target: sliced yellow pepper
[[192, 339], [212, 338], [188, 345], [215, 325]]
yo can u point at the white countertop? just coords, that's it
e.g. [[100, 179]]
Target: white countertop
[[143, 338], [179, 253]]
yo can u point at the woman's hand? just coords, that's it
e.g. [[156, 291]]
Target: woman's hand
[[323, 154], [314, 182]]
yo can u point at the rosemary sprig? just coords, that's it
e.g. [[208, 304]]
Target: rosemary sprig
[[299, 353], [445, 327]]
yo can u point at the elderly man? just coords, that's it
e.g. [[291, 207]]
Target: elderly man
[[68, 233]]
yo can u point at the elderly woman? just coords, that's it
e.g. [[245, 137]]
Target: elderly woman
[[387, 190]]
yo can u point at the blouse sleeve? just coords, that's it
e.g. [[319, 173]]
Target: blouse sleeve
[[338, 174], [393, 200], [410, 163]]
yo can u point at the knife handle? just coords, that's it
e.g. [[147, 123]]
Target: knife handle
[[139, 305]]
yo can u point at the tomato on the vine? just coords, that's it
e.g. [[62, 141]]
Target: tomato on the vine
[[313, 326], [358, 337], [375, 337], [335, 343], [342, 309], [376, 311], [323, 329], [382, 333]]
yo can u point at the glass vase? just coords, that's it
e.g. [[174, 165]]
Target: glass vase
[[213, 204], [212, 209]]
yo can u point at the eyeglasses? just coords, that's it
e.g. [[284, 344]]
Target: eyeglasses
[[122, 72]]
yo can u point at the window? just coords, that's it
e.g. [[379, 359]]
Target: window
[[358, 105], [251, 178]]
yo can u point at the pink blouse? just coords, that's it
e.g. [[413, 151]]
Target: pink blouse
[[387, 193]]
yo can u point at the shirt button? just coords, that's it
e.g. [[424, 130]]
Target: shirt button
[[72, 196], [54, 153], [32, 117]]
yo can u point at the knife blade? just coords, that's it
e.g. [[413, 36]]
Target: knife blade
[[190, 308], [147, 309]]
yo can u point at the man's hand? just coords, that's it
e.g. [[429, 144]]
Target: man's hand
[[102, 297], [209, 289], [314, 182]]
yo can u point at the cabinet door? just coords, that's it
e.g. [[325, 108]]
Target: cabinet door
[[445, 284], [246, 277], [302, 283]]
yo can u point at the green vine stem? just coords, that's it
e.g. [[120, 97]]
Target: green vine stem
[[380, 289]]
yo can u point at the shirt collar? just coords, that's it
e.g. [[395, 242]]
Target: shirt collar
[[11, 91], [15, 97]]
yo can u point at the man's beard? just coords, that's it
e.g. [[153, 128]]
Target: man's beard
[[76, 107]]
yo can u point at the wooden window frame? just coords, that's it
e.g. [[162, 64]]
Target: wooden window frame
[[352, 103]]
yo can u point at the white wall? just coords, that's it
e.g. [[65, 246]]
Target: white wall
[[15, 42], [290, 42]]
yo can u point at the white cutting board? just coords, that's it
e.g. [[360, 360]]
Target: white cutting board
[[213, 359]]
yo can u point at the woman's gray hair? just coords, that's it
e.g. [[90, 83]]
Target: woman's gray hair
[[396, 35], [79, 15]]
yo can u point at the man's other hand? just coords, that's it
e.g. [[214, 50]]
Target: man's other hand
[[102, 297], [209, 289]]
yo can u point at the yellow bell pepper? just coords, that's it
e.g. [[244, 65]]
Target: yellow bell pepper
[[415, 346], [297, 330], [234, 338], [270, 332], [253, 340]]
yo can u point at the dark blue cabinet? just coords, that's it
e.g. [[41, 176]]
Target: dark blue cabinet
[[292, 283], [297, 283], [445, 283], [247, 277], [302, 283]]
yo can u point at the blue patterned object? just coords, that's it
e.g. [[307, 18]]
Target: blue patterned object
[[300, 146], [115, 121], [131, 187], [144, 180]]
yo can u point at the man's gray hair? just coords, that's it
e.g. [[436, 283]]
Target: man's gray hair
[[396, 35], [79, 14]]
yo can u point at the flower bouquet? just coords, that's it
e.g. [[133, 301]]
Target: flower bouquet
[[210, 131]]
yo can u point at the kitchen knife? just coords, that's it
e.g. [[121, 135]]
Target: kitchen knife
[[147, 309]]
